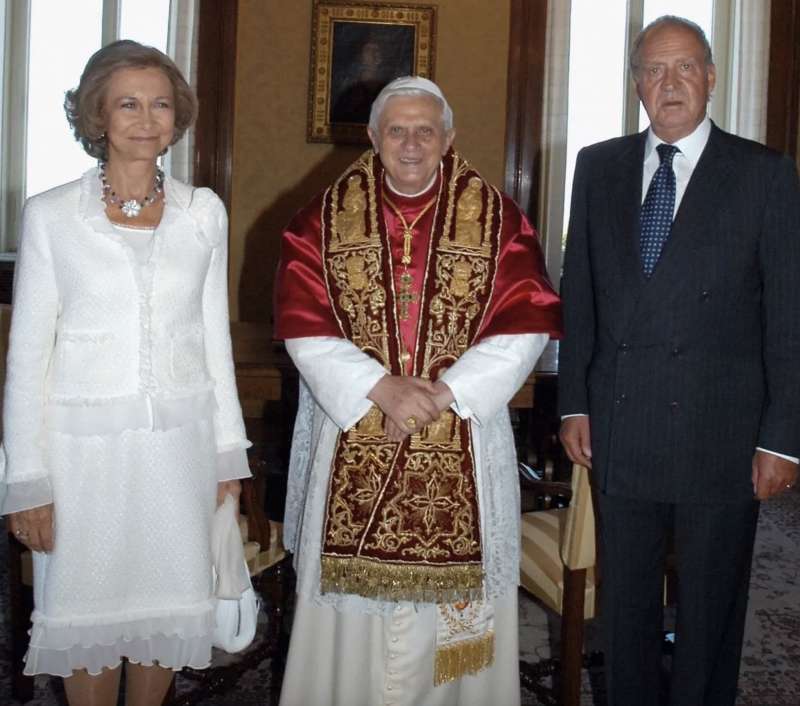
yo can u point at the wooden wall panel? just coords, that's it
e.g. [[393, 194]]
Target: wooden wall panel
[[783, 101], [524, 110]]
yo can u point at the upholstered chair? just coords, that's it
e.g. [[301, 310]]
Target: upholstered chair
[[558, 568]]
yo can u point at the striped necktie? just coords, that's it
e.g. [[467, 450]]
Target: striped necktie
[[657, 210]]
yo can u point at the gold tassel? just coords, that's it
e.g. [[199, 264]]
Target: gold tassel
[[465, 657], [401, 582]]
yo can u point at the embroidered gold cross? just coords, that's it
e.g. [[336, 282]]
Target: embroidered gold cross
[[406, 295]]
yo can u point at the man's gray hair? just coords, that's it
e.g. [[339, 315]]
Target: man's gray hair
[[634, 60], [409, 86]]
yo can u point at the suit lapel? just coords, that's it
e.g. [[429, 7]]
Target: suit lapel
[[625, 191], [707, 186]]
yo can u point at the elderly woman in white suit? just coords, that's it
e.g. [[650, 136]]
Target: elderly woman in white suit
[[122, 423]]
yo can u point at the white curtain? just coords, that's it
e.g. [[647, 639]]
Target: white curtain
[[182, 47], [554, 134], [554, 149], [750, 69]]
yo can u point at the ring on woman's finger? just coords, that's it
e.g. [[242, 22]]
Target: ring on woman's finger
[[789, 486], [411, 422], [21, 534]]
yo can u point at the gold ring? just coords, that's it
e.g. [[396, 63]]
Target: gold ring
[[20, 534], [411, 422]]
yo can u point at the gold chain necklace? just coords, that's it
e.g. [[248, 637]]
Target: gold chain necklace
[[406, 295]]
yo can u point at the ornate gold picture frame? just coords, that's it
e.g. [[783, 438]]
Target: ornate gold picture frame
[[356, 49]]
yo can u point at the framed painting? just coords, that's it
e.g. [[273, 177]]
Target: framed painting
[[356, 49]]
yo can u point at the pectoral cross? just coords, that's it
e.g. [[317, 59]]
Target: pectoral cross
[[406, 296]]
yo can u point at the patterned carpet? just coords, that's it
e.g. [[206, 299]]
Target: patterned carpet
[[769, 673]]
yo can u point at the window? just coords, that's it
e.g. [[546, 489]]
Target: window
[[600, 88], [146, 21], [40, 150], [590, 97], [597, 79], [52, 155]]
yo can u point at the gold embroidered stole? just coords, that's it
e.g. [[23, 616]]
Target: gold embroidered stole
[[402, 520]]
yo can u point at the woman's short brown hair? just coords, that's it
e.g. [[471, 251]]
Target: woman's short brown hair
[[84, 104]]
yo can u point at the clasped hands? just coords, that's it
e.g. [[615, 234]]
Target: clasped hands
[[409, 403]]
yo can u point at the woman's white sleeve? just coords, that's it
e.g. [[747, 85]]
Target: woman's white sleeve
[[228, 423], [31, 342]]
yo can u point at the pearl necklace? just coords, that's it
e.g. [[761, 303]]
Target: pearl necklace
[[130, 207]]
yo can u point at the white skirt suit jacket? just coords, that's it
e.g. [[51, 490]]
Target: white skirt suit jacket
[[121, 408]]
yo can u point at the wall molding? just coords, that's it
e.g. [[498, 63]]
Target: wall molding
[[524, 107]]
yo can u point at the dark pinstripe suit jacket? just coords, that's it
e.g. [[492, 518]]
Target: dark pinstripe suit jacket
[[685, 374]]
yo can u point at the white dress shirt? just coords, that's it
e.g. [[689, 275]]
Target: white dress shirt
[[683, 163]]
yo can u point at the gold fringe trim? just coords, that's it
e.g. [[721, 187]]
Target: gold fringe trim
[[401, 582], [465, 657]]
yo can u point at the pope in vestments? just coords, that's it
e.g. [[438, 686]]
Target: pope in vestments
[[413, 299]]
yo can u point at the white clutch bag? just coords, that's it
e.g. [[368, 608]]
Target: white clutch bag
[[237, 608]]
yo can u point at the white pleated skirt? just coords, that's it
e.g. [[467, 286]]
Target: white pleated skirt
[[130, 573], [347, 658]]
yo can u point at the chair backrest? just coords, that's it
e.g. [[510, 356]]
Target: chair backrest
[[578, 538]]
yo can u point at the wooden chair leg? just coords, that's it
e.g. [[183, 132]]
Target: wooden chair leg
[[20, 607], [253, 505], [572, 636]]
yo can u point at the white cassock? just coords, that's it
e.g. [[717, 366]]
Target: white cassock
[[346, 650]]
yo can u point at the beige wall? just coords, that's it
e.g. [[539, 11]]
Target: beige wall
[[275, 171]]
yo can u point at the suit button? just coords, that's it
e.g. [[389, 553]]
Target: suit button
[[620, 399], [624, 347], [676, 351], [705, 294], [674, 406]]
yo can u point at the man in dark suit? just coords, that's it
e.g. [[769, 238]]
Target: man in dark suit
[[680, 368]]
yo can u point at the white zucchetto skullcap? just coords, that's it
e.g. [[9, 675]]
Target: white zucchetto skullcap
[[409, 85], [414, 82]]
